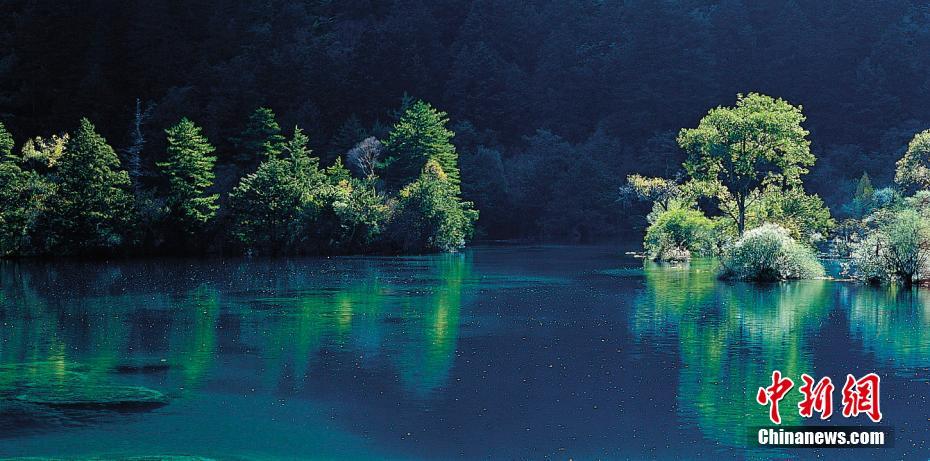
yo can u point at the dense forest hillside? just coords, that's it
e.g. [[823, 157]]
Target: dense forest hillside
[[553, 102]]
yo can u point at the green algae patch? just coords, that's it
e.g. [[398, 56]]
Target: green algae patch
[[89, 395], [623, 272]]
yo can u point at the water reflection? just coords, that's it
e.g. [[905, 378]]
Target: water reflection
[[893, 324], [142, 323], [519, 353], [730, 336]]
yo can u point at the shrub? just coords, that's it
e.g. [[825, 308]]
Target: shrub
[[429, 216], [677, 233], [898, 250], [804, 216], [768, 253]]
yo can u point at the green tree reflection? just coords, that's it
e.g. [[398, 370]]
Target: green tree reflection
[[730, 336]]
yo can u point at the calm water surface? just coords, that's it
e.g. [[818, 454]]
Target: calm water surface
[[501, 352]]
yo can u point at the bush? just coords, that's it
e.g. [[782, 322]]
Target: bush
[[678, 233], [897, 251], [429, 215], [768, 253], [804, 216]]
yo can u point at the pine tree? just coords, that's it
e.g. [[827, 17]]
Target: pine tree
[[6, 143], [270, 205], [419, 136], [93, 207], [350, 133], [261, 140], [862, 200], [190, 173]]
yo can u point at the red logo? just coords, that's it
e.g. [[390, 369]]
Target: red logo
[[859, 396], [773, 394]]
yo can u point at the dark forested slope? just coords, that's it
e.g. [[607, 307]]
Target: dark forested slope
[[553, 102]]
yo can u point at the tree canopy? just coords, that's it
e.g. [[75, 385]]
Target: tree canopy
[[758, 142]]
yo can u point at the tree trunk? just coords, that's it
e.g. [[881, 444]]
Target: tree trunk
[[741, 214]]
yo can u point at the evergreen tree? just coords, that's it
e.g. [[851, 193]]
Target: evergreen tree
[[190, 173], [419, 136], [271, 205], [93, 207], [350, 133], [6, 142], [862, 200], [261, 140]]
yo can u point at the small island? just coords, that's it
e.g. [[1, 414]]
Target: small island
[[740, 197]]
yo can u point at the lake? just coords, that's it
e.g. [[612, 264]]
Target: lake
[[501, 352]]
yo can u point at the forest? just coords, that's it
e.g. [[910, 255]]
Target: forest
[[542, 109]]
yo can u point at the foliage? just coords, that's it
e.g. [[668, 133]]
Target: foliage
[[768, 253], [419, 136], [6, 142], [429, 215], [862, 202], [563, 190], [269, 206], [485, 183], [678, 233], [886, 197], [24, 196], [189, 168], [660, 191], [261, 139], [756, 144], [92, 209], [41, 154], [913, 170], [804, 216], [898, 250], [351, 217]]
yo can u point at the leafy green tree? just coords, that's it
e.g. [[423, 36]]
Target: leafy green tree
[[757, 143], [429, 215], [337, 172], [806, 217], [23, 198], [261, 140], [913, 170], [93, 208], [351, 218], [660, 191], [189, 168], [41, 154], [418, 137], [898, 250], [678, 233], [270, 205]]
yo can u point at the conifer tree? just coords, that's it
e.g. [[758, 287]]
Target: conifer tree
[[419, 136], [261, 140], [190, 173], [350, 133], [93, 206], [6, 142]]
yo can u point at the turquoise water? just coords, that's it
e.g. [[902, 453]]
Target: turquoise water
[[501, 352]]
